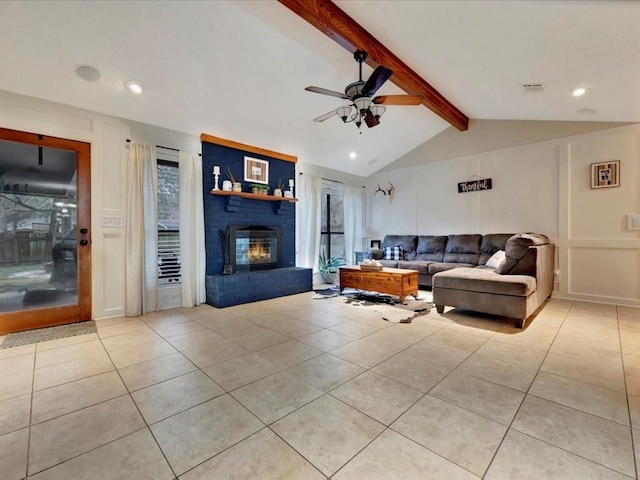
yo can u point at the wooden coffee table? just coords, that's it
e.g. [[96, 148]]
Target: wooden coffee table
[[394, 281]]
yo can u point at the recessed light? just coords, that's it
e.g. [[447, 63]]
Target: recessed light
[[578, 91], [352, 155], [88, 73], [136, 86]]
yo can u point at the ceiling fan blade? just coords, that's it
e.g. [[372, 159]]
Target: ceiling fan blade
[[324, 117], [370, 119], [398, 100], [324, 91], [378, 77]]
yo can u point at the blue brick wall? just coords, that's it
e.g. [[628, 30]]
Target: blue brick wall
[[222, 211], [245, 287]]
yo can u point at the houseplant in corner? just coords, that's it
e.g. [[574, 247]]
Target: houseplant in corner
[[328, 266]]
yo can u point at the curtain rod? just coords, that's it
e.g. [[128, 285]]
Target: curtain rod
[[166, 148], [328, 179]]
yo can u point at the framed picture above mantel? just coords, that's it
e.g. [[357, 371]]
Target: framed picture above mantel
[[256, 171]]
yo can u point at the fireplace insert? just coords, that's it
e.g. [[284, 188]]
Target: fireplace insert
[[254, 247]]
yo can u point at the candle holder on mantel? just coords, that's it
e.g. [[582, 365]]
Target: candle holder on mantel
[[216, 175]]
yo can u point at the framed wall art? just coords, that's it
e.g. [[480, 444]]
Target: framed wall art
[[375, 244], [606, 174], [256, 171]]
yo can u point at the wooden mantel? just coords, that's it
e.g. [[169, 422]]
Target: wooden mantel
[[327, 17], [247, 148]]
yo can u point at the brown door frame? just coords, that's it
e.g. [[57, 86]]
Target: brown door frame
[[58, 315]]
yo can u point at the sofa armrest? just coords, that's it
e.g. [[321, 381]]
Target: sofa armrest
[[545, 265], [374, 254]]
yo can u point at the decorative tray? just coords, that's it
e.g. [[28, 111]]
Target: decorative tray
[[371, 268]]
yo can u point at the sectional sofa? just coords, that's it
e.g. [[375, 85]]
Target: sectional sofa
[[501, 273]]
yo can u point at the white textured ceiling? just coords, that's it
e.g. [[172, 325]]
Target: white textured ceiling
[[238, 69]]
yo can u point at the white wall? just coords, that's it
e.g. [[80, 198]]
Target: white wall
[[540, 187]]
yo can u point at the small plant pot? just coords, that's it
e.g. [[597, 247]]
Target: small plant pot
[[255, 190], [328, 277], [277, 192], [236, 187]]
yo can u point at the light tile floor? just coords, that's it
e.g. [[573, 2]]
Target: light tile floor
[[297, 388]]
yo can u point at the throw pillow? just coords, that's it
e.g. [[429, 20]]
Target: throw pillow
[[393, 253], [496, 259]]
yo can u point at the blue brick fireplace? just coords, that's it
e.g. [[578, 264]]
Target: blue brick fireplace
[[225, 213]]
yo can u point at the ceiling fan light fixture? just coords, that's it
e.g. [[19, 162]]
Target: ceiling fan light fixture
[[362, 104], [344, 113], [377, 110]]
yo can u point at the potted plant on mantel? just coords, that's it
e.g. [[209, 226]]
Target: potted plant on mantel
[[328, 267]]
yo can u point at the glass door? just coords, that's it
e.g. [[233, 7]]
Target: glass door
[[45, 241]]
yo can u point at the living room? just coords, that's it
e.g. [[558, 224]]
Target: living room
[[540, 167]]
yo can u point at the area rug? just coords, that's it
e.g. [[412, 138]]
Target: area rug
[[49, 333], [388, 306]]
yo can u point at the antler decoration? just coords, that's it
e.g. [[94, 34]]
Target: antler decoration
[[388, 193]]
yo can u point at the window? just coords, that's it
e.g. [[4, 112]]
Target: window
[[168, 223], [332, 226]]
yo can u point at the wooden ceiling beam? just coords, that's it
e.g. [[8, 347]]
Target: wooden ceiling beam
[[336, 24]]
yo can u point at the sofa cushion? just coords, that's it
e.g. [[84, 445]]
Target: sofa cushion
[[389, 263], [393, 253], [431, 244], [496, 259], [436, 267], [428, 257], [485, 280], [520, 260], [422, 267], [491, 243], [430, 248], [463, 243], [463, 249], [407, 242]]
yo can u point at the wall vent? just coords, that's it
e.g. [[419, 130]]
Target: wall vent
[[532, 87]]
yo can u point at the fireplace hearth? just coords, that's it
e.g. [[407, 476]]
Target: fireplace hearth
[[255, 247]]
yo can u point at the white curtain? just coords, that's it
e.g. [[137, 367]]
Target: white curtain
[[353, 210], [308, 221], [192, 252], [141, 233]]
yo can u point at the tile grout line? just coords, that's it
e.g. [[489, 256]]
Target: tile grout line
[[33, 381], [139, 413], [510, 426], [626, 391], [559, 404]]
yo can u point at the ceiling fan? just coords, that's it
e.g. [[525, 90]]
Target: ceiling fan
[[359, 93]]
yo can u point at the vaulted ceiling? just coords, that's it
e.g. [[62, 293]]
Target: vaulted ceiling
[[238, 69]]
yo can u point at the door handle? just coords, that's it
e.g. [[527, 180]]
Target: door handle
[[83, 234]]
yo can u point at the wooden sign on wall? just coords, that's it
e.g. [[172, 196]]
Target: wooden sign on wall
[[474, 185]]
